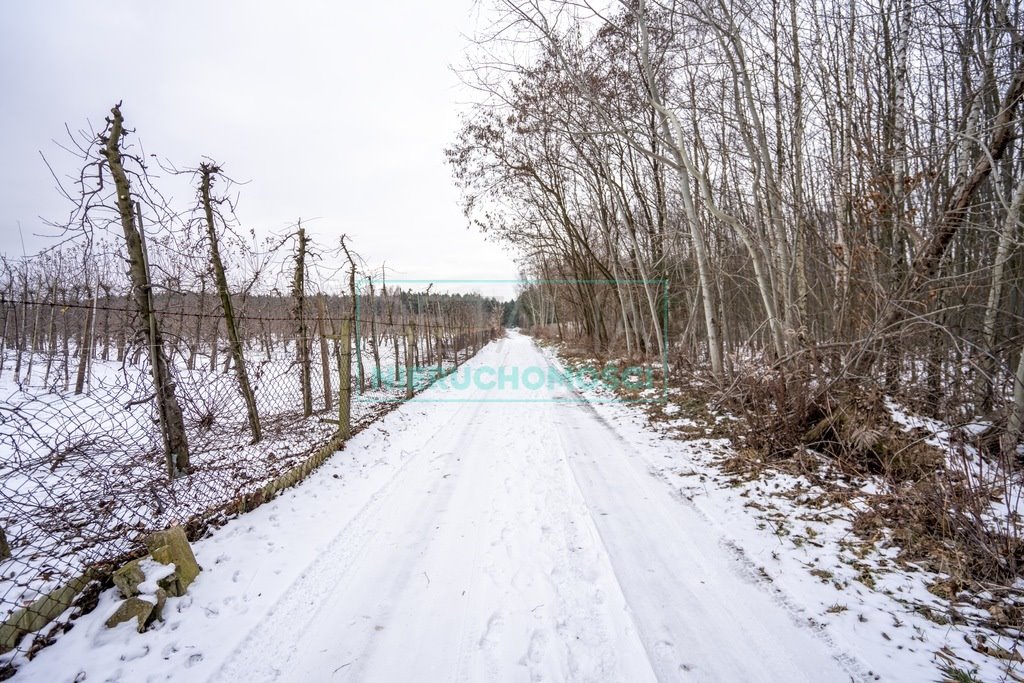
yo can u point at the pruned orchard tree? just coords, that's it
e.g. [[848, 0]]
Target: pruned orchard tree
[[207, 172], [112, 164]]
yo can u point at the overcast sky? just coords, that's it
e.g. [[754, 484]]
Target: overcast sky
[[338, 111]]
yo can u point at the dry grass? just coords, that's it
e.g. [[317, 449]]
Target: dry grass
[[930, 504]]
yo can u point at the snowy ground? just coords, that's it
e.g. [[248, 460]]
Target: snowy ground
[[489, 540]]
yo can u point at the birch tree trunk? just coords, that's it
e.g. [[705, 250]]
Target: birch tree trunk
[[683, 169], [995, 289], [1016, 417]]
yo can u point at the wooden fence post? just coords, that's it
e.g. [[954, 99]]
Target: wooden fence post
[[410, 340], [172, 421], [345, 381], [439, 348], [302, 334], [325, 355]]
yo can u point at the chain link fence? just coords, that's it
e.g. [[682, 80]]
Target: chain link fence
[[83, 476]]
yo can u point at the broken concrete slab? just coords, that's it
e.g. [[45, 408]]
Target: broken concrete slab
[[170, 546], [128, 578], [40, 612], [145, 610]]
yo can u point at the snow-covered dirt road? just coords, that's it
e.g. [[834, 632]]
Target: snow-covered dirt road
[[524, 538], [471, 541]]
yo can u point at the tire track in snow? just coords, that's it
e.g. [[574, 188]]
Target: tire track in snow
[[299, 602], [685, 640], [593, 617]]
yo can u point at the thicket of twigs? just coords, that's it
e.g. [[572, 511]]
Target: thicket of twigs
[[814, 207]]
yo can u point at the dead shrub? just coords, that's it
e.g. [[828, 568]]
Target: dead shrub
[[788, 412], [938, 507], [941, 523]]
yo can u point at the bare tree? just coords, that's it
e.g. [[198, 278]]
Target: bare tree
[[171, 419], [207, 171]]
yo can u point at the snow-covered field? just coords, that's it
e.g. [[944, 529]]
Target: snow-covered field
[[82, 477], [483, 540]]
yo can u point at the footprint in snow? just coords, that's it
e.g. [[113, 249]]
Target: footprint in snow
[[663, 648], [493, 625], [135, 653], [535, 651]]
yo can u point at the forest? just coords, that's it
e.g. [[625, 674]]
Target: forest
[[832, 193]]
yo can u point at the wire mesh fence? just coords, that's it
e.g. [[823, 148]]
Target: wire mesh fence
[[159, 362], [83, 476]]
